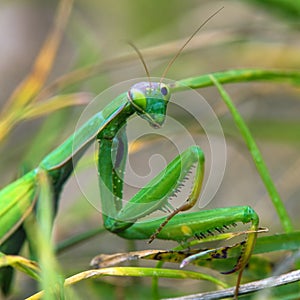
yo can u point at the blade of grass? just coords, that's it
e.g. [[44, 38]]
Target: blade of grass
[[44, 61], [135, 272], [34, 81], [20, 263], [236, 75], [78, 239], [55, 103], [257, 158], [39, 231]]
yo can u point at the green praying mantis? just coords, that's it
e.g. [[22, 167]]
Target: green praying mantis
[[149, 100]]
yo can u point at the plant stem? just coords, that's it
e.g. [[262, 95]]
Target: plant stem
[[257, 157]]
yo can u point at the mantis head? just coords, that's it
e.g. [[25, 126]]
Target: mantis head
[[150, 100]]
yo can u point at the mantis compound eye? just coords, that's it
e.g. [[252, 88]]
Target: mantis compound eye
[[164, 90], [138, 99]]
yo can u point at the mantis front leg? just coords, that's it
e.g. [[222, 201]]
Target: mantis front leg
[[180, 227], [155, 195]]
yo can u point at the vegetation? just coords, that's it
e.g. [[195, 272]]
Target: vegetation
[[257, 48]]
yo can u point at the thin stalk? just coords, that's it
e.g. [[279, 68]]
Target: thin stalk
[[257, 157]]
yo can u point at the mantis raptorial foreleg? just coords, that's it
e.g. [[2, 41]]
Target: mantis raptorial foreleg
[[156, 193]]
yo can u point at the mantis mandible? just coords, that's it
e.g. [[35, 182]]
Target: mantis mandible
[[149, 100]]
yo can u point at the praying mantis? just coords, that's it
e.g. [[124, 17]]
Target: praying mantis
[[149, 100]]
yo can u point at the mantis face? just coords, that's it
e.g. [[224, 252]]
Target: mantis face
[[150, 100]]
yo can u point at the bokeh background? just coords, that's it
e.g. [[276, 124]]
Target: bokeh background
[[245, 34]]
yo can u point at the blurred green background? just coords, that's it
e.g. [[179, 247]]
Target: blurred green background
[[245, 34]]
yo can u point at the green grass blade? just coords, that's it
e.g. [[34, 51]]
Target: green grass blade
[[53, 104], [77, 239], [257, 158], [135, 272], [234, 76], [20, 263], [278, 242], [39, 233]]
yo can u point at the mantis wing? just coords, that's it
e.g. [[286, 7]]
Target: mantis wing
[[17, 201]]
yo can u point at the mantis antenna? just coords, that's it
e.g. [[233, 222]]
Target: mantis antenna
[[178, 52], [142, 59], [188, 40]]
